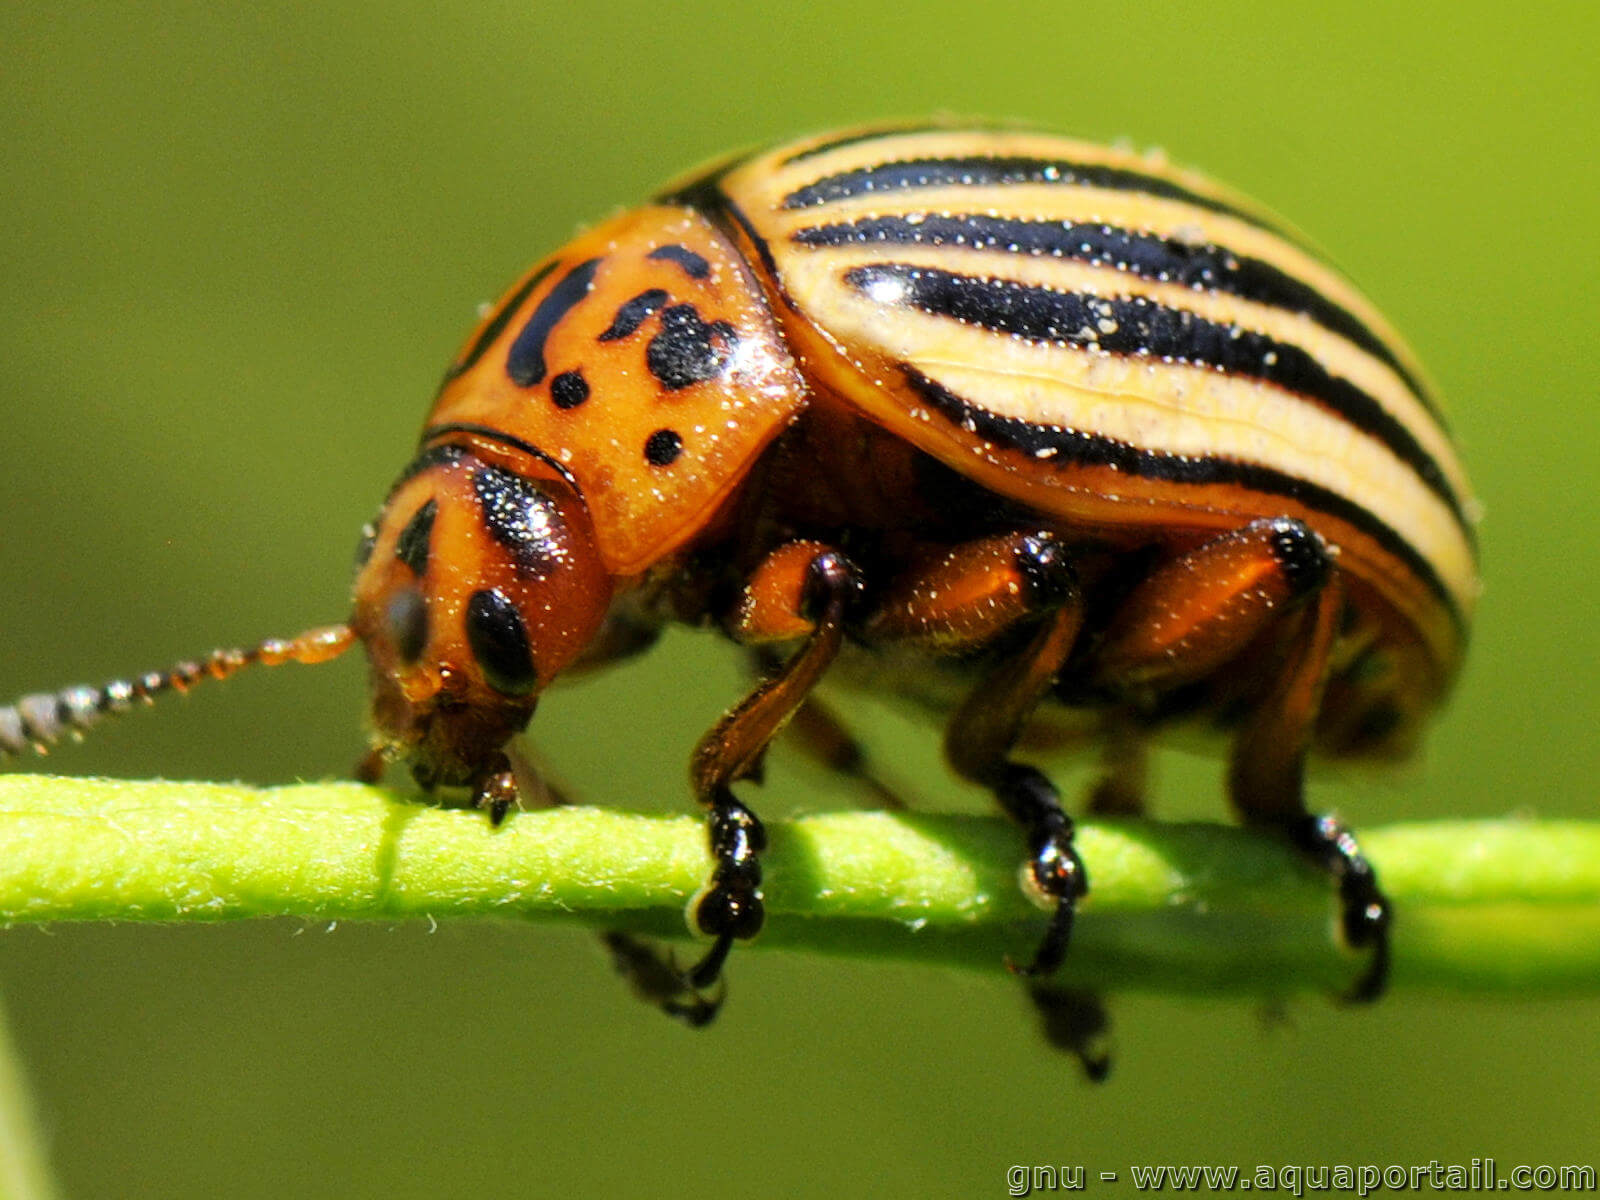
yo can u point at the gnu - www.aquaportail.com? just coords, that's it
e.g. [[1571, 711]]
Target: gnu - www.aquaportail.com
[[1475, 1175]]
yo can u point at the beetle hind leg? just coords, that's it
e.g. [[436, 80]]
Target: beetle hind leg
[[1266, 779], [1272, 578]]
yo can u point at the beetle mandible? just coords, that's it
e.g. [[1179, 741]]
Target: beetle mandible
[[1053, 440]]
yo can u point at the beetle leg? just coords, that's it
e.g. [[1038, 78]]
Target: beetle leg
[[1195, 614], [1266, 779], [1076, 1021], [974, 593], [802, 589], [370, 766], [822, 735], [1119, 792], [656, 979], [495, 788]]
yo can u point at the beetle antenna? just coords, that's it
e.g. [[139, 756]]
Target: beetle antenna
[[40, 721]]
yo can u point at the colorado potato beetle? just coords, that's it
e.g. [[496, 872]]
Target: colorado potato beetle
[[1051, 439]]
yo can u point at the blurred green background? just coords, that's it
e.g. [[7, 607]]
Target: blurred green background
[[239, 245]]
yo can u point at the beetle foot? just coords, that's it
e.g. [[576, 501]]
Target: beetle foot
[[656, 979], [495, 790], [1058, 873], [1367, 913], [370, 766], [729, 908], [1076, 1022]]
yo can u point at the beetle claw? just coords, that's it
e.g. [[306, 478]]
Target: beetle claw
[[657, 979], [1076, 1022], [730, 907], [496, 790], [709, 969], [1052, 950], [1057, 872], [1367, 914]]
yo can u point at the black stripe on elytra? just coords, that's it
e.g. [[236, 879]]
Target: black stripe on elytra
[[1056, 445], [1133, 325], [497, 325], [525, 362], [990, 170], [411, 547], [519, 515], [633, 313], [1201, 266], [695, 266], [853, 139]]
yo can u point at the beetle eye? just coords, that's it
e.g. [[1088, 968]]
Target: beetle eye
[[499, 642], [406, 619]]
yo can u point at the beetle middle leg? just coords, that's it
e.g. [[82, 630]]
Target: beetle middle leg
[[963, 598], [1272, 578]]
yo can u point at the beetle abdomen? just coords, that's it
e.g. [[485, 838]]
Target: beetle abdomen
[[1112, 341]]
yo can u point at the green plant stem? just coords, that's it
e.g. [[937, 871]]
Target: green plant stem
[[24, 1174], [1510, 905]]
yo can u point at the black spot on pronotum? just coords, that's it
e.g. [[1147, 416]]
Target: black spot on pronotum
[[521, 517], [633, 314], [693, 264], [689, 349], [525, 360], [662, 447], [406, 619], [569, 389], [499, 641], [411, 547]]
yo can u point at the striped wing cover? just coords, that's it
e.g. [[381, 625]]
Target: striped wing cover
[[1113, 340]]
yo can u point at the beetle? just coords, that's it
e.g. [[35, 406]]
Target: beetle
[[1060, 444]]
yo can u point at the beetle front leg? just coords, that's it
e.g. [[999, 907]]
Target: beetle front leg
[[494, 789], [1195, 614], [801, 589]]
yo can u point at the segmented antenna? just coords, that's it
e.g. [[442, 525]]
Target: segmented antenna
[[40, 721]]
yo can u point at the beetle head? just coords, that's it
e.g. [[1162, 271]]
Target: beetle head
[[478, 584]]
